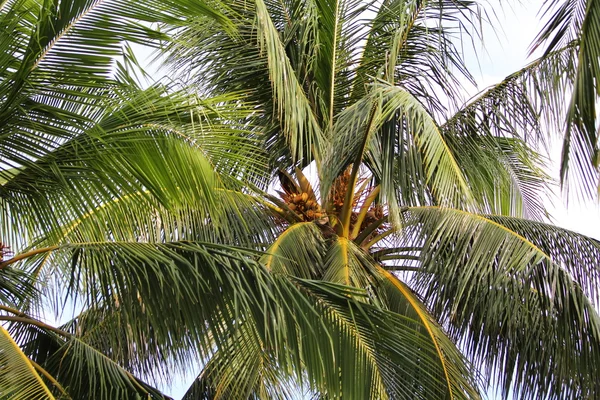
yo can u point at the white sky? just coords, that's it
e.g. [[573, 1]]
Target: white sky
[[505, 51]]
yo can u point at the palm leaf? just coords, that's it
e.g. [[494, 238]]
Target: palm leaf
[[338, 35], [408, 44], [299, 123], [368, 130], [297, 252], [505, 175], [210, 288], [77, 369], [490, 278], [117, 158], [578, 21], [19, 378], [248, 374], [457, 377]]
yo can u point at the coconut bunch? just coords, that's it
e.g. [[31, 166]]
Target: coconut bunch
[[337, 194], [299, 196], [365, 211]]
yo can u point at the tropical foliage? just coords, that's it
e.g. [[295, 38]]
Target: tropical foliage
[[308, 209]]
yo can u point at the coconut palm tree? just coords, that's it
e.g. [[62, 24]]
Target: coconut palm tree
[[183, 226], [131, 208], [430, 206]]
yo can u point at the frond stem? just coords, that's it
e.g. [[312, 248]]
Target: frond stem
[[370, 229], [47, 375], [346, 212], [39, 324], [363, 211], [378, 238], [424, 318], [28, 254]]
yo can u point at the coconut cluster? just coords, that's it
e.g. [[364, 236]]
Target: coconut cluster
[[337, 194], [307, 208], [300, 199], [338, 198]]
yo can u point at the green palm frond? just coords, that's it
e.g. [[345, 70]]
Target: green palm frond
[[90, 374], [148, 146], [345, 264], [249, 373], [400, 373], [261, 54], [529, 101], [74, 368], [150, 212], [298, 121], [19, 377], [578, 254], [401, 299], [578, 21], [338, 37], [126, 283], [506, 176], [210, 287], [298, 251], [409, 44], [59, 62], [489, 278], [14, 286], [369, 131]]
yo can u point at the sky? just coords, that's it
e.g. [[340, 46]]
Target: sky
[[503, 52]]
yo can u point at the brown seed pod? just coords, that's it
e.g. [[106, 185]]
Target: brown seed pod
[[292, 206], [304, 196]]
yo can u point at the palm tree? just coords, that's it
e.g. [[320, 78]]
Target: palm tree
[[414, 262], [448, 200]]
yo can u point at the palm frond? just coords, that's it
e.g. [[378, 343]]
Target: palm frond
[[410, 44], [59, 63], [19, 378], [264, 51], [298, 251], [117, 157], [578, 21], [393, 340], [338, 36], [75, 368], [306, 327], [491, 278], [506, 176], [369, 130], [298, 121], [532, 100], [458, 377], [248, 374], [345, 264]]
